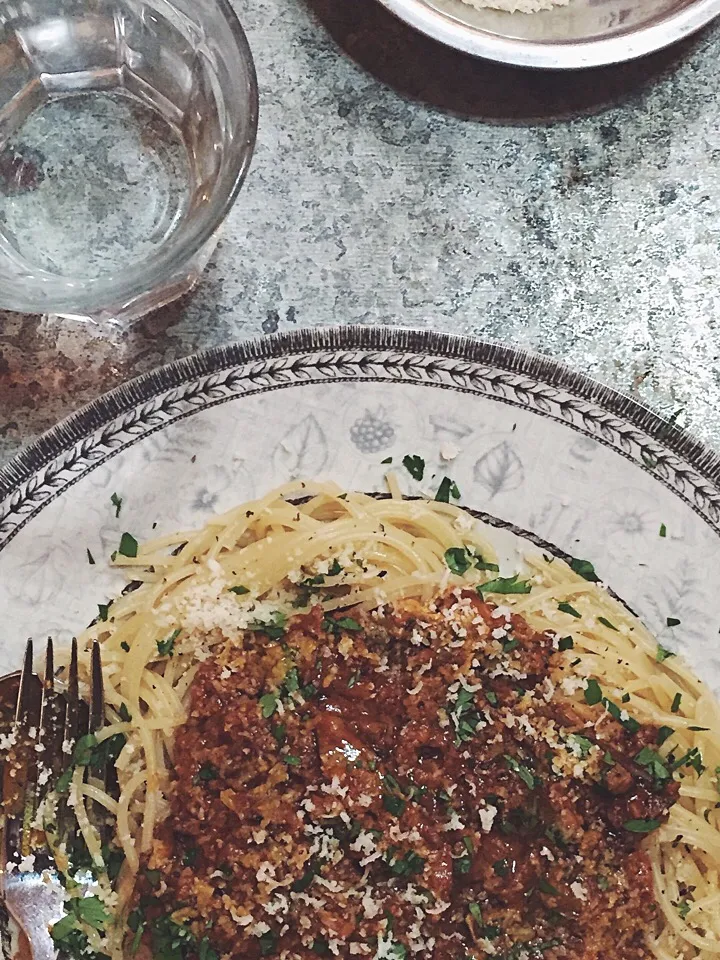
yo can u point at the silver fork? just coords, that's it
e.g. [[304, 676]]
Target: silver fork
[[45, 721]]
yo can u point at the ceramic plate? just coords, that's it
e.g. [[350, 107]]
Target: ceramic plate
[[544, 452]]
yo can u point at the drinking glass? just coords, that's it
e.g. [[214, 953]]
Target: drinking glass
[[126, 131]]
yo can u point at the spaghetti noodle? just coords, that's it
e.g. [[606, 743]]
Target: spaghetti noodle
[[311, 545]]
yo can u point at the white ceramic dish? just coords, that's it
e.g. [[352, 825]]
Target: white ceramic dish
[[585, 33], [548, 453]]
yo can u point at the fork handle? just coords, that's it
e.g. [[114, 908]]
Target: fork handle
[[35, 905]]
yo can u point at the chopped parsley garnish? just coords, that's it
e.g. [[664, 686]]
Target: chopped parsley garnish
[[391, 781], [207, 772], [593, 692], [693, 758], [396, 951], [662, 653], [457, 560], [394, 805], [675, 705], [274, 627], [462, 864], [291, 760], [117, 502], [629, 723], [136, 922], [268, 704], [128, 546], [663, 734], [166, 647], [330, 625], [278, 731], [501, 867], [663, 530], [386, 460], [268, 943], [525, 774], [464, 717], [405, 866], [306, 589], [568, 608], [239, 590], [205, 951], [606, 623], [460, 559], [504, 585], [475, 912], [683, 908], [555, 835], [642, 826], [190, 856], [491, 698], [546, 887], [335, 569], [672, 621], [510, 645], [91, 558], [353, 678], [566, 643], [291, 683], [582, 744], [585, 570], [124, 645], [448, 488], [103, 609], [124, 713], [415, 466], [89, 910], [654, 764], [176, 941]]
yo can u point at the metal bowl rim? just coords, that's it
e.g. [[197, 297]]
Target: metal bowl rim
[[556, 54]]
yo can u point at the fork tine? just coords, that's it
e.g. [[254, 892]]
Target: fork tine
[[52, 724], [24, 694], [49, 677], [72, 698], [20, 770], [97, 696]]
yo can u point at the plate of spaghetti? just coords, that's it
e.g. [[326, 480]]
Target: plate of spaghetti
[[409, 649]]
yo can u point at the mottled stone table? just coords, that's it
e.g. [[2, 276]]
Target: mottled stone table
[[396, 181]]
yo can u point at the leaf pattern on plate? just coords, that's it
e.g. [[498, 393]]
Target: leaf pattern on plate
[[303, 451], [500, 469], [679, 597], [445, 427]]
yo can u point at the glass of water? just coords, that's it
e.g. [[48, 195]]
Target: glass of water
[[126, 131]]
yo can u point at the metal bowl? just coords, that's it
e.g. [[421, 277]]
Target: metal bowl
[[585, 33]]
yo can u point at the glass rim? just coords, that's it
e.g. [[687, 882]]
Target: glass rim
[[76, 295]]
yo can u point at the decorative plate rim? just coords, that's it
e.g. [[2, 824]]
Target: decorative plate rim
[[515, 360]]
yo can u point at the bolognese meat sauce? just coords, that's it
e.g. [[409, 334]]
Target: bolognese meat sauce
[[415, 781]]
